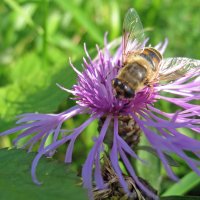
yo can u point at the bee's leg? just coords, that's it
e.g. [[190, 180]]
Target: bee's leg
[[151, 86]]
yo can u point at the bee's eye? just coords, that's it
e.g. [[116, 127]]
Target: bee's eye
[[129, 93], [116, 82]]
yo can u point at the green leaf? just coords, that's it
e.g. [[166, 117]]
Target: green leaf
[[59, 182], [180, 198], [151, 150], [184, 185], [33, 87], [150, 171]]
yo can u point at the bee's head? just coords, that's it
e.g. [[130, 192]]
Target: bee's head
[[122, 90]]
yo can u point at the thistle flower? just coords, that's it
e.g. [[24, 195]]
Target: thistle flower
[[94, 95]]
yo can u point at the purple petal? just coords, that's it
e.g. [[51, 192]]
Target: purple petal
[[97, 174], [87, 167], [135, 178], [44, 151], [114, 158], [74, 135]]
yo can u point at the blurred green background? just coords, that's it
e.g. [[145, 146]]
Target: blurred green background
[[38, 36]]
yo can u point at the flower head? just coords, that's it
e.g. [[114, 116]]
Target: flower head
[[94, 95]]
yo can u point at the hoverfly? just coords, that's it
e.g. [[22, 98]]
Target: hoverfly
[[143, 66]]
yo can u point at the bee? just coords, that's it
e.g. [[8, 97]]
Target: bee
[[140, 66], [143, 66]]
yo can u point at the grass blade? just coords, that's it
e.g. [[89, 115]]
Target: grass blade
[[184, 185]]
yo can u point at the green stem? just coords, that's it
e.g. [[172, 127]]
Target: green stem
[[45, 35]]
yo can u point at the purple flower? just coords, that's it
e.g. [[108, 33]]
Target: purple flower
[[94, 95]]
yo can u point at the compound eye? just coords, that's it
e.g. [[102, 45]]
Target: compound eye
[[116, 82], [129, 93]]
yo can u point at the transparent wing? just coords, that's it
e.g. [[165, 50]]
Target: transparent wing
[[133, 33], [174, 68]]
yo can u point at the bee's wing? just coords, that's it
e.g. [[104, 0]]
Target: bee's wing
[[133, 33], [173, 68]]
